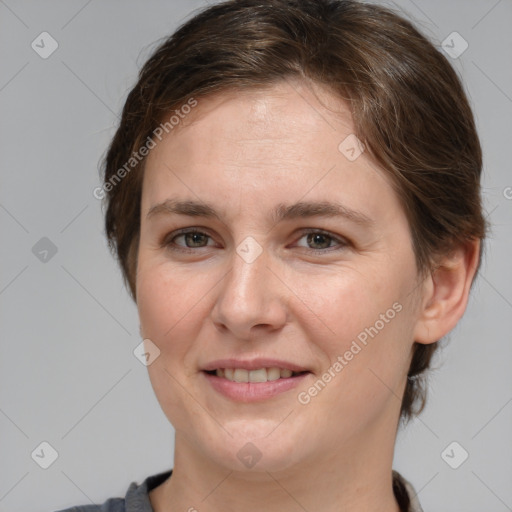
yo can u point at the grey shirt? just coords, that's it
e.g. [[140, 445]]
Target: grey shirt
[[137, 496]]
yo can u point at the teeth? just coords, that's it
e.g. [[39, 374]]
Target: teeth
[[241, 375], [273, 373], [260, 375]]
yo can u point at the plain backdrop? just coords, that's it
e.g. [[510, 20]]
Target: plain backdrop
[[68, 375]]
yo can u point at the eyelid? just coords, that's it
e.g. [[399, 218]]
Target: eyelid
[[167, 240], [342, 241]]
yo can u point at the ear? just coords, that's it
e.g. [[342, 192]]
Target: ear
[[446, 293]]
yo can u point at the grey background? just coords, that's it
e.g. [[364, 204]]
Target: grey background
[[68, 328]]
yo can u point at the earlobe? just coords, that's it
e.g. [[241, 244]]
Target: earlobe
[[446, 293]]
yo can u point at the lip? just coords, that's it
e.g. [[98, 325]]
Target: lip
[[253, 364], [252, 391]]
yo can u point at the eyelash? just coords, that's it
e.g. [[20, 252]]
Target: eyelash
[[168, 241]]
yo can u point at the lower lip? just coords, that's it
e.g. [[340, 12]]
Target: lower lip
[[253, 391]]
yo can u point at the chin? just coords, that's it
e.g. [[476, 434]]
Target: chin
[[260, 451]]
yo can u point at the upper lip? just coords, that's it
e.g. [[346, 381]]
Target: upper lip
[[253, 364]]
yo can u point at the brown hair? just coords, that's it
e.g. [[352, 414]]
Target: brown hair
[[408, 106]]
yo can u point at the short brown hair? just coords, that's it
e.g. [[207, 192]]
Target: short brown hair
[[408, 106]]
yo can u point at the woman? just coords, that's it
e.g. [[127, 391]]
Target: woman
[[293, 195]]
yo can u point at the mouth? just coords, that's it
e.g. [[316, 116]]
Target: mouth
[[259, 375], [250, 381]]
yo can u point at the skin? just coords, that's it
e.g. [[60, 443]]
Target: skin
[[245, 153]]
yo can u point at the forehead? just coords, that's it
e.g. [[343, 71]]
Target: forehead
[[286, 113], [264, 146]]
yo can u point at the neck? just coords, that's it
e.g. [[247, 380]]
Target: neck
[[350, 478]]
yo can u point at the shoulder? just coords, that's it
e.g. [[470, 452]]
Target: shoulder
[[135, 500], [111, 505]]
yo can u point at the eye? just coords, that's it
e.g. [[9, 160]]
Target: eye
[[196, 239], [193, 238], [322, 240]]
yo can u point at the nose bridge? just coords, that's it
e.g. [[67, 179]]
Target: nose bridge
[[250, 295]]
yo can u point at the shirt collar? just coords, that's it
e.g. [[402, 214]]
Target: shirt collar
[[137, 496]]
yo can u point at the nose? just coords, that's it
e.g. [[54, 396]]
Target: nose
[[251, 298]]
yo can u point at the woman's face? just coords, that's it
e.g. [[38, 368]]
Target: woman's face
[[273, 281]]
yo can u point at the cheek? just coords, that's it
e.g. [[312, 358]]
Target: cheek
[[367, 323], [167, 303], [166, 300], [346, 303]]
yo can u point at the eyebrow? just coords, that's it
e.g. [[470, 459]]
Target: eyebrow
[[303, 209]]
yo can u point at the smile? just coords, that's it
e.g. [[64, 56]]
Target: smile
[[259, 375], [241, 385]]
